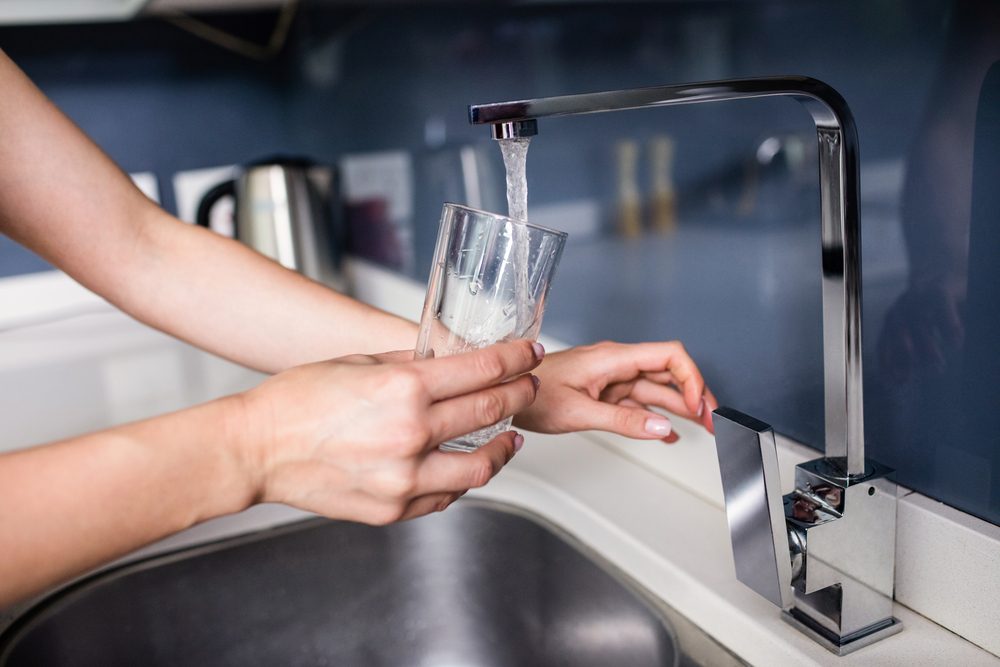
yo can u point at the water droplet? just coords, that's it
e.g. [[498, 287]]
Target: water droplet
[[475, 286]]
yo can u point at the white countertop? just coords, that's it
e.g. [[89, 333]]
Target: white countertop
[[670, 537]]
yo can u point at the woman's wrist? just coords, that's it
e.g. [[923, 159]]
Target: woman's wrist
[[216, 447], [240, 452]]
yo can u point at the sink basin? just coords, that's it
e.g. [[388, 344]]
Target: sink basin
[[480, 584]]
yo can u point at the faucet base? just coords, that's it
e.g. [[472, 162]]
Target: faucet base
[[841, 645]]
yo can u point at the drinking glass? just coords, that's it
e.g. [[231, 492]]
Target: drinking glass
[[489, 283]]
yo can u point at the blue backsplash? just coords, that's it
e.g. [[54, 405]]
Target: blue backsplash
[[737, 276]]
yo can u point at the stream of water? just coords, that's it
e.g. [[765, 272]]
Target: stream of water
[[515, 155]]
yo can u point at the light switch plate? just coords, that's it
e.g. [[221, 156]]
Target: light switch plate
[[377, 189], [387, 175]]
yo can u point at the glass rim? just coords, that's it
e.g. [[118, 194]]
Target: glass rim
[[545, 230]]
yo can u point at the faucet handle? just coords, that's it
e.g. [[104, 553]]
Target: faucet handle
[[748, 463]]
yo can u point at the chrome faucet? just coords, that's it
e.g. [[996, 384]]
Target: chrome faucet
[[830, 564]]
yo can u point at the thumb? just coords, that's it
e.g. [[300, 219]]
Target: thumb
[[629, 421]]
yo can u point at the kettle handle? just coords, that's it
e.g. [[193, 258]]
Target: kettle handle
[[209, 200]]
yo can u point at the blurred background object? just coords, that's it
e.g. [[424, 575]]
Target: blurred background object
[[629, 217], [663, 204], [287, 209]]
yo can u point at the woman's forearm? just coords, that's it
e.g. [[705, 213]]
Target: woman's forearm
[[73, 505], [61, 196], [225, 298]]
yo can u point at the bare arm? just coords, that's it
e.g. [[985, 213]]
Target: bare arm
[[353, 438], [72, 505], [61, 196]]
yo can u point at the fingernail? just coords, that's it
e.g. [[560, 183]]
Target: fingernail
[[537, 381], [701, 407], [518, 442], [658, 426], [539, 350]]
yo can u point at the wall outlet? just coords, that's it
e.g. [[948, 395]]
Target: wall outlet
[[189, 188]]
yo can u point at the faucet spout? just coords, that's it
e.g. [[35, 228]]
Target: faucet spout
[[515, 129], [840, 233]]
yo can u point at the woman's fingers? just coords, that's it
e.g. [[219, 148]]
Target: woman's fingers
[[436, 481], [614, 393], [670, 438], [459, 374], [711, 404], [623, 362], [663, 377], [460, 471], [645, 392], [469, 412], [622, 418], [432, 502], [668, 398], [444, 477]]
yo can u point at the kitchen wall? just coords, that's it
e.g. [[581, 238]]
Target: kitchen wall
[[155, 98], [735, 273]]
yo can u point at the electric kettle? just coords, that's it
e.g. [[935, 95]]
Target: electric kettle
[[285, 208]]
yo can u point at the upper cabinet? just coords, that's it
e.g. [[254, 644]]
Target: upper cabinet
[[27, 12], [13, 12]]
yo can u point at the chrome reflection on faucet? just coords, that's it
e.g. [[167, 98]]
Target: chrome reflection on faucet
[[824, 553], [830, 563]]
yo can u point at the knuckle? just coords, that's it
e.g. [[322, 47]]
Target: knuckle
[[480, 473], [414, 433], [529, 390], [604, 348], [404, 383], [625, 420], [490, 367], [527, 393], [490, 408], [527, 350], [597, 346], [400, 484], [445, 502], [388, 513]]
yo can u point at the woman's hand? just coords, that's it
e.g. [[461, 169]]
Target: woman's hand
[[611, 386], [356, 438]]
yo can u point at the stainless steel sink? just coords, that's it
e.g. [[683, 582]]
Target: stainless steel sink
[[480, 584]]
